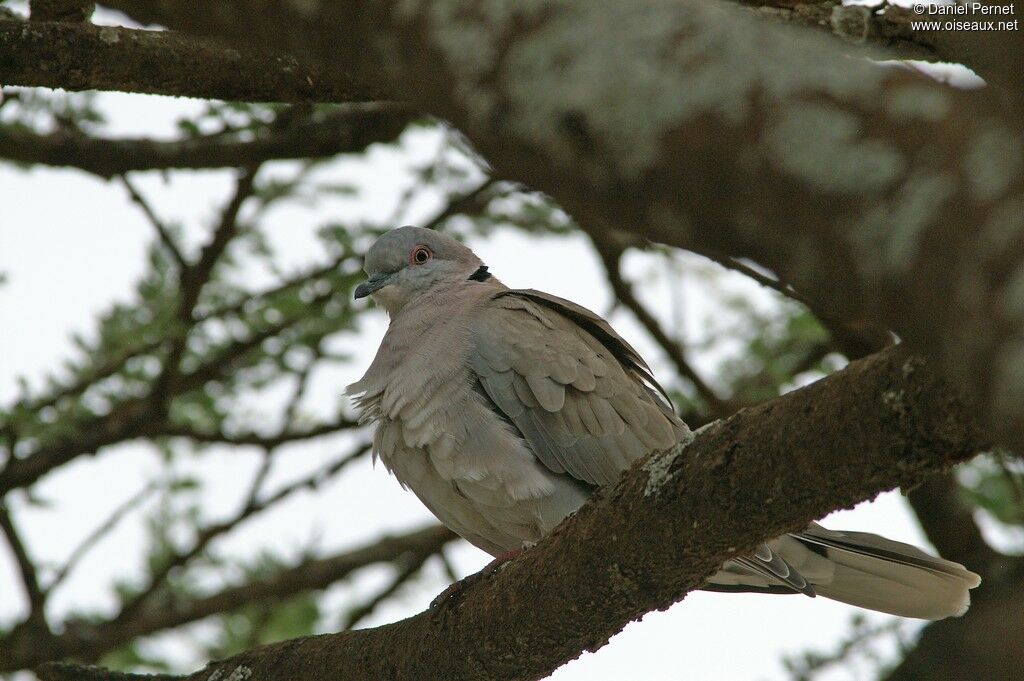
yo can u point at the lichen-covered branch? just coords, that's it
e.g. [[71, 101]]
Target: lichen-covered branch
[[994, 55], [882, 196], [644, 543], [856, 25]]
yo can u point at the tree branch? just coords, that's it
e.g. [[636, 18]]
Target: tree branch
[[350, 129], [657, 534], [35, 595], [884, 197], [192, 279], [99, 533], [162, 230], [89, 641], [949, 524], [61, 10], [136, 417], [611, 255], [257, 440], [130, 610], [81, 56], [991, 55]]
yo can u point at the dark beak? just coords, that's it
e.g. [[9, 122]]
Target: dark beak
[[374, 283]]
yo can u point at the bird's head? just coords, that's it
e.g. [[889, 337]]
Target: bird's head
[[409, 261]]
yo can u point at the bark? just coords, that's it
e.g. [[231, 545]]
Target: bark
[[61, 10], [351, 129], [80, 56], [995, 56], [644, 543], [882, 196]]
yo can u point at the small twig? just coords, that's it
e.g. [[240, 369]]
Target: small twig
[[446, 563], [194, 277], [466, 204], [257, 440], [26, 568], [610, 257], [409, 568], [101, 531], [738, 265], [863, 635], [256, 487], [205, 535], [201, 315], [853, 341], [161, 229]]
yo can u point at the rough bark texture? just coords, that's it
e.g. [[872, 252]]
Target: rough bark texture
[[646, 542], [995, 56], [882, 196], [61, 10], [80, 56]]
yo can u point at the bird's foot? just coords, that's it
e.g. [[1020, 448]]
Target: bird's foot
[[455, 589]]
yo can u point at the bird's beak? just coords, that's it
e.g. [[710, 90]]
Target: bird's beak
[[374, 283]]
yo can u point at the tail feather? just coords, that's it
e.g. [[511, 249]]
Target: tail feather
[[889, 576], [860, 569]]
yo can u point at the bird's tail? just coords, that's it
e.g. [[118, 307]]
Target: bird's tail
[[889, 576], [853, 567]]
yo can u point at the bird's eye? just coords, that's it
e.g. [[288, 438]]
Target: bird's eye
[[420, 255]]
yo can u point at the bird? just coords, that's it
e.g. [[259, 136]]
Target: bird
[[504, 409]]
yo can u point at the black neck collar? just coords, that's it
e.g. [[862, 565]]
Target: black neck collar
[[481, 274]]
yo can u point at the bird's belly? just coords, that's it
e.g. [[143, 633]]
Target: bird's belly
[[498, 498], [493, 527]]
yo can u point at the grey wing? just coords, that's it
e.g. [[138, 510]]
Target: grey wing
[[580, 396]]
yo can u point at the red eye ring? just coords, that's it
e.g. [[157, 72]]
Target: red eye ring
[[420, 255]]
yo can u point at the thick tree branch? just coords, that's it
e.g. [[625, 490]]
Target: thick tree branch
[[350, 129], [885, 198], [81, 56], [853, 24], [61, 10], [644, 543], [994, 55]]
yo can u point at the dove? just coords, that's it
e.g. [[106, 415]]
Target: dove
[[504, 409]]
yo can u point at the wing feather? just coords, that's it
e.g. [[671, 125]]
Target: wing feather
[[581, 396]]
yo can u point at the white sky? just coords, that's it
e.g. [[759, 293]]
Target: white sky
[[71, 244]]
